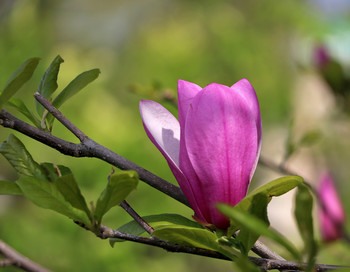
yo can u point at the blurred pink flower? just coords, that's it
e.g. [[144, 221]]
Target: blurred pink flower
[[214, 148], [321, 56], [331, 213]]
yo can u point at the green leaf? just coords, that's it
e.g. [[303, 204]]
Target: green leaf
[[46, 195], [256, 225], [22, 108], [48, 83], [53, 171], [75, 86], [276, 187], [70, 190], [118, 188], [258, 208], [303, 216], [9, 188], [190, 236], [21, 76], [18, 156], [155, 221]]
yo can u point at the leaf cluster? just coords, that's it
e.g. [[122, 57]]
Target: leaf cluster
[[54, 187], [47, 86]]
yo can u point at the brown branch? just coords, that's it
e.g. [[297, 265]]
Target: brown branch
[[125, 205], [265, 264], [89, 148], [12, 257], [276, 167], [60, 117]]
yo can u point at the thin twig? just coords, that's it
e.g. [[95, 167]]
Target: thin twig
[[6, 262], [263, 251], [275, 167], [16, 259], [125, 205], [60, 117]]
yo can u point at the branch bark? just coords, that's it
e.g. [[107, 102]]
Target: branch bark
[[263, 263], [89, 148], [12, 257]]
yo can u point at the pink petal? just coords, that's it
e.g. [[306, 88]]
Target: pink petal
[[331, 212], [222, 141], [162, 128], [246, 90], [330, 199], [185, 92]]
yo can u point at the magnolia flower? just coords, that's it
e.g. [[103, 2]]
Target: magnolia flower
[[331, 213], [213, 149]]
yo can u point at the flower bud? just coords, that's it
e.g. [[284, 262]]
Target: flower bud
[[331, 213], [213, 149]]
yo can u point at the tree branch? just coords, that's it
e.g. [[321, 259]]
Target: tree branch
[[89, 148], [12, 257], [266, 264], [125, 205]]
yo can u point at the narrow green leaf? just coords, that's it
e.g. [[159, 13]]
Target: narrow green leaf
[[18, 156], [9, 188], [303, 216], [70, 190], [19, 105], [256, 225], [155, 221], [75, 86], [46, 195], [118, 188], [190, 236], [258, 208], [48, 83], [21, 76], [276, 187]]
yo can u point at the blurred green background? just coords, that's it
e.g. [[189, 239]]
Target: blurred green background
[[142, 48]]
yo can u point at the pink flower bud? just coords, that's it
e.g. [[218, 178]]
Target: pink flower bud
[[213, 149], [321, 56], [331, 213]]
